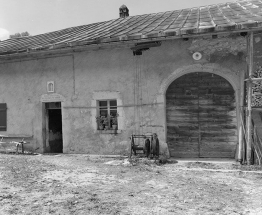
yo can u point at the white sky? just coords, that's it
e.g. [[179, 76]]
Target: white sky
[[41, 16]]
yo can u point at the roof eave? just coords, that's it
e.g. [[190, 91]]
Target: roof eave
[[127, 41]]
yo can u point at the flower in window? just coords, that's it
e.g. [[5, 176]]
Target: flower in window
[[114, 119], [100, 121]]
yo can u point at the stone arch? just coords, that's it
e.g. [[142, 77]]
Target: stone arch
[[228, 74], [231, 76]]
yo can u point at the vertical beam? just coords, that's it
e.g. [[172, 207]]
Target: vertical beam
[[241, 125], [44, 127], [249, 99], [240, 144]]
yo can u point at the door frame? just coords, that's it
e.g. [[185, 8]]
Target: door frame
[[45, 125]]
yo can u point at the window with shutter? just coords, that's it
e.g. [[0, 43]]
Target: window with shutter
[[3, 116]]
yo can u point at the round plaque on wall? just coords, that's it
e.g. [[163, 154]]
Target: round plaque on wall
[[197, 56]]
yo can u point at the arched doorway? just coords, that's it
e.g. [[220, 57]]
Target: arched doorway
[[201, 116]]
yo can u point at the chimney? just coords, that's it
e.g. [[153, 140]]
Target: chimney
[[123, 11]]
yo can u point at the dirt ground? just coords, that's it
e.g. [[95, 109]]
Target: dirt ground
[[84, 184]]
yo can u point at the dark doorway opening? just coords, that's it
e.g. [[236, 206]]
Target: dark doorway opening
[[54, 131]]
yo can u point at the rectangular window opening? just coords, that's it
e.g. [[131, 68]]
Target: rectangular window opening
[[107, 114]]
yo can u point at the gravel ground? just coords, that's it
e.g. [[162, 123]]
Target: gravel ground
[[83, 184]]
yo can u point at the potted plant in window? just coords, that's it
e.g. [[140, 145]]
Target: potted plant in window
[[105, 122], [100, 122], [114, 121]]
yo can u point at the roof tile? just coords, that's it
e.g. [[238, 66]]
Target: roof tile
[[241, 14]]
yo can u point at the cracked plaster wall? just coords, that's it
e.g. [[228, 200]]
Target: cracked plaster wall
[[220, 47], [223, 46]]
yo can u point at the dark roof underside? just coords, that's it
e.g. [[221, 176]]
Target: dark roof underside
[[226, 17]]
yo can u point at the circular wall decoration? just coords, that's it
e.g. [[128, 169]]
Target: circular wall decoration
[[197, 56]]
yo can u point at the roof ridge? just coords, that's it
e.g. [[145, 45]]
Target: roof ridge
[[235, 15], [146, 14]]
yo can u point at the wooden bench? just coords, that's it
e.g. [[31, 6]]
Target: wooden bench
[[18, 144]]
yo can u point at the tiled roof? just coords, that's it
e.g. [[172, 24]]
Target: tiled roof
[[239, 15]]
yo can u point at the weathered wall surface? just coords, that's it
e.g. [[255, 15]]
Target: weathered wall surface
[[81, 76], [21, 86]]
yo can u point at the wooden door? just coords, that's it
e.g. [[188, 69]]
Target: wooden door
[[201, 116]]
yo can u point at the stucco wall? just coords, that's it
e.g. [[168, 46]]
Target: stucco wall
[[80, 76]]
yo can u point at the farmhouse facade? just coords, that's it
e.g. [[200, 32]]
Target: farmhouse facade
[[180, 74]]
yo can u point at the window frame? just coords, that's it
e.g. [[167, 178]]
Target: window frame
[[108, 109], [100, 95]]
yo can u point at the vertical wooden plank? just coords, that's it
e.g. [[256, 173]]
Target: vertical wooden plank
[[217, 117], [240, 156], [182, 116], [240, 144], [249, 100]]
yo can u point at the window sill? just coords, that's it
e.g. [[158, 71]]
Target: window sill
[[108, 131]]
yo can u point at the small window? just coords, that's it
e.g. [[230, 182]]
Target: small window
[[107, 111], [50, 87], [3, 116]]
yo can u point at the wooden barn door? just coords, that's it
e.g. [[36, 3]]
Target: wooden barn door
[[201, 116]]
